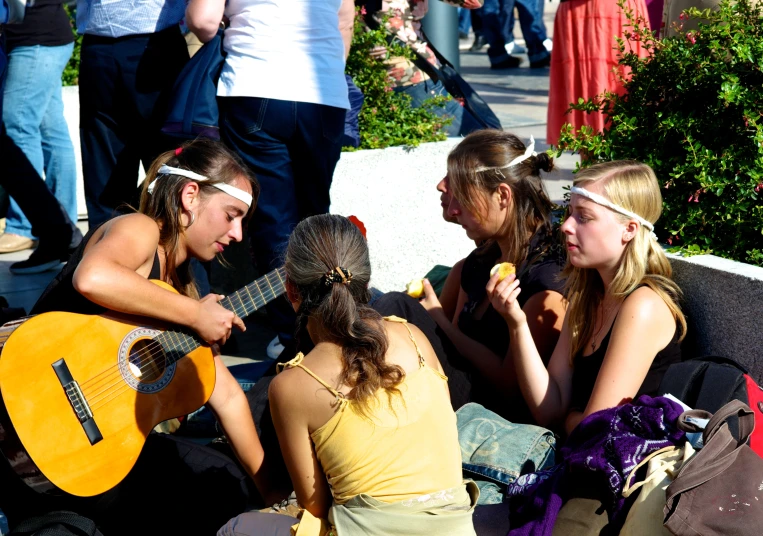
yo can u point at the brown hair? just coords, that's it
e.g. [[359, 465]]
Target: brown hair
[[317, 246], [478, 165], [203, 156], [633, 186]]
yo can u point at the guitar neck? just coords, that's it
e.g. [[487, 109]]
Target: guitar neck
[[243, 302]]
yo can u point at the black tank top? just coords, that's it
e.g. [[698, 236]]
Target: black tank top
[[586, 370], [60, 294]]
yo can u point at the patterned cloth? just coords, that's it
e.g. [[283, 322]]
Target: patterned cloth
[[405, 24], [127, 17], [602, 450]]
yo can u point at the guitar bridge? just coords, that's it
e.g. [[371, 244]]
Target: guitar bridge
[[77, 400]]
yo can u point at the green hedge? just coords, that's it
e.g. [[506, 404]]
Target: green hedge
[[693, 111]]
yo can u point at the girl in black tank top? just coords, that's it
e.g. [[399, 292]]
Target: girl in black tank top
[[194, 203], [623, 324]]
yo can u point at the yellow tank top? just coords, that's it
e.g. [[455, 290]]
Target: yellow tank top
[[401, 452]]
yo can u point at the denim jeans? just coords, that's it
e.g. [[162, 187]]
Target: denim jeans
[[495, 15], [34, 119], [293, 149], [464, 20], [463, 122], [494, 451]]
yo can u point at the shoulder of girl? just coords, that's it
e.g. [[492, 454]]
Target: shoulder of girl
[[644, 304]]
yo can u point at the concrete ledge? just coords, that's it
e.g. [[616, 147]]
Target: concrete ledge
[[724, 309]]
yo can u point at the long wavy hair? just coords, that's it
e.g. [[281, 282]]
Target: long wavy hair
[[318, 245], [633, 186], [205, 157], [476, 168]]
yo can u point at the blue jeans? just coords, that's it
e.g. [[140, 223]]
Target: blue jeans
[[293, 149], [522, 448], [463, 122], [464, 20], [495, 15], [34, 119]]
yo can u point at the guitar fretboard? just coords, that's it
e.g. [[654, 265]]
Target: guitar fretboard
[[176, 344]]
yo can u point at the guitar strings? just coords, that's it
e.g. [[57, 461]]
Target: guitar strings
[[149, 350], [258, 305]]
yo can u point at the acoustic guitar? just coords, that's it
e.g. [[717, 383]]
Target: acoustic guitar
[[80, 393]]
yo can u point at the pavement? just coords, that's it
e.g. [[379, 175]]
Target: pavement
[[519, 98]]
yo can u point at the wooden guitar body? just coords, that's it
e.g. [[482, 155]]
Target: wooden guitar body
[[80, 394]]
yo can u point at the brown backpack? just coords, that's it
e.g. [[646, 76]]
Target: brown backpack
[[720, 490]]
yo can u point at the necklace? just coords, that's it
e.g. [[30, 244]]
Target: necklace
[[604, 315]]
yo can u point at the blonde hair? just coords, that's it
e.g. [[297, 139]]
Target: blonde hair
[[633, 186], [477, 167], [203, 156]]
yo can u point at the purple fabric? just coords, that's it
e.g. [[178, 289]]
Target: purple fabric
[[603, 449]]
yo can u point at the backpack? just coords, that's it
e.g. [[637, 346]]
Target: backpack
[[193, 110], [709, 383], [56, 523]]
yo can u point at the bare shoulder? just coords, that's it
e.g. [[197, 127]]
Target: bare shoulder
[[645, 305], [134, 223]]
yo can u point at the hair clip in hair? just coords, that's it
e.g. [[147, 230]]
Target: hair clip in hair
[[178, 151], [337, 275]]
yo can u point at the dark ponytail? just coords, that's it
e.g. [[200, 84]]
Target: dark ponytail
[[321, 247]]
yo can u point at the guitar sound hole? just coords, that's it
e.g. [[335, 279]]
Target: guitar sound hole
[[146, 361]]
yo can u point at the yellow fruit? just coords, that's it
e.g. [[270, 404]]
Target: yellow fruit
[[504, 269], [415, 289]]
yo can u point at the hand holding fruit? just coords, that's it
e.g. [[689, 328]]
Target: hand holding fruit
[[503, 291]]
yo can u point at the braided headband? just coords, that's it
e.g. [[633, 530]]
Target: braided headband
[[337, 275], [529, 151], [601, 200], [238, 193]]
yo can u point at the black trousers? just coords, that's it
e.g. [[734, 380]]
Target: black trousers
[[292, 148], [124, 89], [176, 487]]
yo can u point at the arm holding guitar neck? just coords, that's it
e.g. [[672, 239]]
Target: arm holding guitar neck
[[113, 274]]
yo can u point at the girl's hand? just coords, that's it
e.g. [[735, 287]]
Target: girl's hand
[[503, 297], [472, 4], [430, 301], [214, 322]]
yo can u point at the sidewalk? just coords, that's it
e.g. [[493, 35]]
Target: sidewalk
[[518, 96]]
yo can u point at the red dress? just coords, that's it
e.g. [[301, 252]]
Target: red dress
[[583, 58]]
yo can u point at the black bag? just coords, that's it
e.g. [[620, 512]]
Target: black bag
[[454, 84], [458, 88], [56, 523], [193, 110]]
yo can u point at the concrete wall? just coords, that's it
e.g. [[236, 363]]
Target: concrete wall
[[724, 308]]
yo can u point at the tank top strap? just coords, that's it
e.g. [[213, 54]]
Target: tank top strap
[[404, 322], [297, 363]]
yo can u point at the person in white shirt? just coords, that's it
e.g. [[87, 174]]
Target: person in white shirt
[[283, 98]]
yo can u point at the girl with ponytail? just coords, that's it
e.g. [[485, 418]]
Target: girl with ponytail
[[495, 192], [364, 420], [623, 324]]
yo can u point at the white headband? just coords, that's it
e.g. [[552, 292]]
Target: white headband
[[238, 193], [600, 200], [530, 151]]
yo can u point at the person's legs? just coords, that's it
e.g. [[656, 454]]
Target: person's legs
[[493, 15], [534, 32], [109, 163], [57, 149], [261, 131], [34, 74], [124, 87], [464, 22]]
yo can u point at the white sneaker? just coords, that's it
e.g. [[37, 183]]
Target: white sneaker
[[514, 48], [274, 348], [549, 44]]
